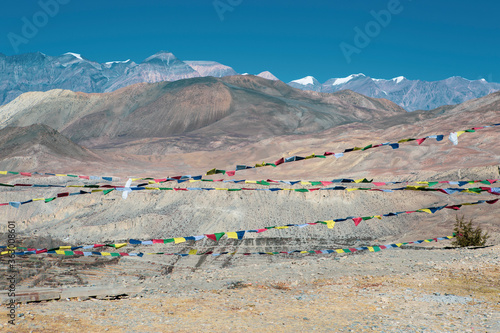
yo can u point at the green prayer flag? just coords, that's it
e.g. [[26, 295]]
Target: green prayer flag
[[49, 199], [218, 235], [107, 191], [301, 190]]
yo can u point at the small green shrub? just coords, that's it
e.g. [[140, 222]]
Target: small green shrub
[[468, 235]]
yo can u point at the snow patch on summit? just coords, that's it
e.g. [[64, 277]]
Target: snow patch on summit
[[346, 79], [306, 80], [76, 55]]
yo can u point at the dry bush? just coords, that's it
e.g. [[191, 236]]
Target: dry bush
[[467, 235]]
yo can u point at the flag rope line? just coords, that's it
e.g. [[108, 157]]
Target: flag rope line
[[241, 234], [448, 191], [373, 248], [453, 137]]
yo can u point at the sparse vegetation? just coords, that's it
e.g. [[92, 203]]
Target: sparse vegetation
[[468, 235]]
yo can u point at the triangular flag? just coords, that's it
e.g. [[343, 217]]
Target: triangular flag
[[357, 220], [330, 224], [215, 237], [419, 141]]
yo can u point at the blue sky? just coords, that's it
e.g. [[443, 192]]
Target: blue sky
[[423, 39]]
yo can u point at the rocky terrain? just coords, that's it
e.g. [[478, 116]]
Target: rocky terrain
[[399, 290], [247, 120]]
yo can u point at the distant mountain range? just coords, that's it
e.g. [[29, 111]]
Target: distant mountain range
[[71, 71], [410, 94]]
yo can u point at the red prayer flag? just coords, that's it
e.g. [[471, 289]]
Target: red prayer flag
[[419, 141], [78, 253], [492, 201], [327, 153], [28, 174], [230, 173], [212, 237], [60, 195], [280, 161], [378, 183], [325, 183], [157, 241], [357, 220], [84, 177]]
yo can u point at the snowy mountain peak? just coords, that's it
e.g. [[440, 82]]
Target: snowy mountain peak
[[76, 55], [117, 62], [346, 79], [268, 75], [161, 56], [398, 79], [306, 80]]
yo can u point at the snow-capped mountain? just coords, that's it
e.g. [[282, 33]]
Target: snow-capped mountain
[[268, 75], [410, 94], [73, 71], [211, 68]]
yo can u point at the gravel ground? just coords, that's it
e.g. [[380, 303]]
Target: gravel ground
[[397, 290]]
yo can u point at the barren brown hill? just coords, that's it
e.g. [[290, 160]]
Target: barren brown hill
[[36, 145], [207, 109]]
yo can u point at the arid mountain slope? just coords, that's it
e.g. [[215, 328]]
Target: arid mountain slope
[[246, 107]]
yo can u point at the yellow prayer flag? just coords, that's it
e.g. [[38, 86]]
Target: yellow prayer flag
[[377, 217], [339, 251], [152, 188], [283, 227], [232, 234], [151, 182], [60, 252], [427, 210], [221, 189], [359, 180], [460, 133], [60, 175], [399, 244], [105, 254], [193, 252], [352, 189], [371, 249], [304, 252], [3, 173], [330, 224], [427, 241], [39, 199], [179, 240], [250, 182], [117, 246], [64, 247], [305, 183]]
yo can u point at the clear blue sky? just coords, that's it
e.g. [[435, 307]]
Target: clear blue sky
[[429, 40]]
